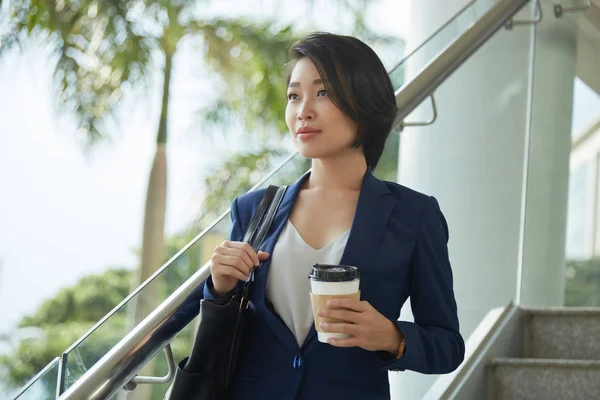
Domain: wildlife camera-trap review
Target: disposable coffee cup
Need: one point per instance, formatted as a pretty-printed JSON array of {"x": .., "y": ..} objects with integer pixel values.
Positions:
[{"x": 332, "y": 282}]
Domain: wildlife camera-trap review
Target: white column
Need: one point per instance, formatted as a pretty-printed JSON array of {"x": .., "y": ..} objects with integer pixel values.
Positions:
[{"x": 472, "y": 161}]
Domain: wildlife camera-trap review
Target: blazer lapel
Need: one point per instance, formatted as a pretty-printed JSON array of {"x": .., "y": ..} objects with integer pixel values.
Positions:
[
  {"x": 281, "y": 218},
  {"x": 372, "y": 213}
]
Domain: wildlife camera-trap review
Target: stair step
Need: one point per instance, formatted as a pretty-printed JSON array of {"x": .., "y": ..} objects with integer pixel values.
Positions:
[
  {"x": 544, "y": 379},
  {"x": 564, "y": 333}
]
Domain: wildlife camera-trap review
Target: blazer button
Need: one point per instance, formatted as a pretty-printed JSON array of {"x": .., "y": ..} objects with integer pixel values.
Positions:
[{"x": 297, "y": 362}]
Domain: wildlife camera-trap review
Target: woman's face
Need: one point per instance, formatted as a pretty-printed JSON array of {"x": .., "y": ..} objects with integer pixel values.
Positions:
[{"x": 318, "y": 127}]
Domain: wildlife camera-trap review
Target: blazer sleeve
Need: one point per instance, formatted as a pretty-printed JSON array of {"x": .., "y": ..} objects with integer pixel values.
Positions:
[
  {"x": 237, "y": 233},
  {"x": 434, "y": 344}
]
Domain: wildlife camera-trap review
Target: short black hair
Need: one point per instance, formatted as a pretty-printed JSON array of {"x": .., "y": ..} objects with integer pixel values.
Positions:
[{"x": 357, "y": 84}]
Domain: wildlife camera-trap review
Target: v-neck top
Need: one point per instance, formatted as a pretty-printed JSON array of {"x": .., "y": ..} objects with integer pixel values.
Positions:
[{"x": 288, "y": 287}]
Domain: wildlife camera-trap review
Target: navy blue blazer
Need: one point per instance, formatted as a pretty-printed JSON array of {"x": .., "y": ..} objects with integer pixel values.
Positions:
[{"x": 398, "y": 240}]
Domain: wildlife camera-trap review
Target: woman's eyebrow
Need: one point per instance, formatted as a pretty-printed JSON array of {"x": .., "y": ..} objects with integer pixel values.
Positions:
[{"x": 315, "y": 82}]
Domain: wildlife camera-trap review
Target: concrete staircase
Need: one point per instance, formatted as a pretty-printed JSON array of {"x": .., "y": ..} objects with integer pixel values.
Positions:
[{"x": 561, "y": 360}]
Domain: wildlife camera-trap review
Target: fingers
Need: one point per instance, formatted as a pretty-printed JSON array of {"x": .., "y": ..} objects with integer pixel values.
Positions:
[
  {"x": 349, "y": 304},
  {"x": 245, "y": 247},
  {"x": 232, "y": 261},
  {"x": 226, "y": 270},
  {"x": 351, "y": 342},
  {"x": 341, "y": 315},
  {"x": 349, "y": 329},
  {"x": 233, "y": 252},
  {"x": 262, "y": 255},
  {"x": 235, "y": 256}
]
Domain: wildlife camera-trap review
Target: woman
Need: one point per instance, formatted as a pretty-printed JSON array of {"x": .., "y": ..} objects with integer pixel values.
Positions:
[{"x": 340, "y": 110}]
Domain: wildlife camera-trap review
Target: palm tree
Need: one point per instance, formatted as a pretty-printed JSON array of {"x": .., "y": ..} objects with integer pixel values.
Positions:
[{"x": 107, "y": 49}]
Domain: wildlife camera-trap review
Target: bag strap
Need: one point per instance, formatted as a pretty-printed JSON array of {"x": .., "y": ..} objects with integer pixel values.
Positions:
[
  {"x": 259, "y": 227},
  {"x": 267, "y": 220},
  {"x": 259, "y": 215}
]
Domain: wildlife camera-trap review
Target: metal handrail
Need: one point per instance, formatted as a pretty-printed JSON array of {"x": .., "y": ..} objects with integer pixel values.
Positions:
[
  {"x": 409, "y": 96},
  {"x": 125, "y": 359}
]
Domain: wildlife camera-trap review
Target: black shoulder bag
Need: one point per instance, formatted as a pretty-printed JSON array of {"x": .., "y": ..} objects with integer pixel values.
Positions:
[{"x": 208, "y": 372}]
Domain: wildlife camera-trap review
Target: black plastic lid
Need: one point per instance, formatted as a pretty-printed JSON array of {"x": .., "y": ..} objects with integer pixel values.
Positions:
[{"x": 334, "y": 273}]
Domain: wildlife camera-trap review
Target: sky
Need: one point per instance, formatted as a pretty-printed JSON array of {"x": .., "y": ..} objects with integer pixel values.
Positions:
[{"x": 65, "y": 213}]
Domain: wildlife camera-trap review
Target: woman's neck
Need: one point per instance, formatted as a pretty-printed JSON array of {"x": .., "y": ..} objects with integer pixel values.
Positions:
[{"x": 344, "y": 172}]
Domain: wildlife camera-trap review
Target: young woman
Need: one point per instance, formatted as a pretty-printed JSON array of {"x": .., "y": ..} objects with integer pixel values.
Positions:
[{"x": 340, "y": 110}]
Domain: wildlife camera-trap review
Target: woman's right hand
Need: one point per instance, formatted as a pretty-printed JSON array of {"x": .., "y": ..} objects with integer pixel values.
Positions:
[{"x": 233, "y": 262}]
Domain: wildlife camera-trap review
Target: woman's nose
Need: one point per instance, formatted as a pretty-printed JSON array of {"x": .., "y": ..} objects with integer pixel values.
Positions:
[{"x": 306, "y": 112}]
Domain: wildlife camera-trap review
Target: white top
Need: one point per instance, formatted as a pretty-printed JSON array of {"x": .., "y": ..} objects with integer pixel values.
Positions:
[{"x": 288, "y": 286}]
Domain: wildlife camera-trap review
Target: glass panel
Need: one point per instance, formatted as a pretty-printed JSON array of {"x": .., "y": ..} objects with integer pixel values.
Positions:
[
  {"x": 437, "y": 42},
  {"x": 43, "y": 386},
  {"x": 561, "y": 199},
  {"x": 85, "y": 353},
  {"x": 582, "y": 244},
  {"x": 472, "y": 160}
]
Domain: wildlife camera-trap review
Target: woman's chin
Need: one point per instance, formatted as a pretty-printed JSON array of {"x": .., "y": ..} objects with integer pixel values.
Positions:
[{"x": 309, "y": 153}]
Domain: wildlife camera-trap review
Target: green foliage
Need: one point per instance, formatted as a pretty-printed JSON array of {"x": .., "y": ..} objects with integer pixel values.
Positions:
[
  {"x": 582, "y": 288},
  {"x": 88, "y": 300},
  {"x": 100, "y": 50},
  {"x": 235, "y": 176},
  {"x": 64, "y": 318},
  {"x": 250, "y": 59},
  {"x": 106, "y": 48}
]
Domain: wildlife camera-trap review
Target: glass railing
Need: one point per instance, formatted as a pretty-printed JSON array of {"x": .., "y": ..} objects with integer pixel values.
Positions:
[
  {"x": 437, "y": 42},
  {"x": 44, "y": 385},
  {"x": 497, "y": 159},
  {"x": 576, "y": 105},
  {"x": 86, "y": 352}
]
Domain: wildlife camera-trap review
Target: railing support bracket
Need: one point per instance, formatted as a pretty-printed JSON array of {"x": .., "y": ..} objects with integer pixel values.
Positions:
[
  {"x": 512, "y": 23},
  {"x": 559, "y": 10},
  {"x": 155, "y": 379},
  {"x": 426, "y": 123}
]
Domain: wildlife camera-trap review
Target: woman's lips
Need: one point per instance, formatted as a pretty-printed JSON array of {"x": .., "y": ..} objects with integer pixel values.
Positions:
[
  {"x": 305, "y": 133},
  {"x": 306, "y": 136}
]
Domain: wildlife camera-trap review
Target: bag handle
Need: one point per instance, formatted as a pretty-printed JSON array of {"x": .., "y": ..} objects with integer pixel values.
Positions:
[
  {"x": 267, "y": 220},
  {"x": 258, "y": 216},
  {"x": 257, "y": 230}
]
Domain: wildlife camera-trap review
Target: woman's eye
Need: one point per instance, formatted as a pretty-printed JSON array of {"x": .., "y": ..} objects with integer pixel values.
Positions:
[
  {"x": 292, "y": 96},
  {"x": 322, "y": 92}
]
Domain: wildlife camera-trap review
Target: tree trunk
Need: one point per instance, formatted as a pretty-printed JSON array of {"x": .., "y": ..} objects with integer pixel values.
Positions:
[{"x": 153, "y": 240}]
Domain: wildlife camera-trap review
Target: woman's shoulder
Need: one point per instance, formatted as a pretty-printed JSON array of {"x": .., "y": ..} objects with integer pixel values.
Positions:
[
  {"x": 407, "y": 195},
  {"x": 415, "y": 206},
  {"x": 250, "y": 198},
  {"x": 247, "y": 202}
]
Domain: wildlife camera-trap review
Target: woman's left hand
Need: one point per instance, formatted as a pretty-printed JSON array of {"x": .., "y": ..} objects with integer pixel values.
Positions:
[{"x": 368, "y": 328}]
